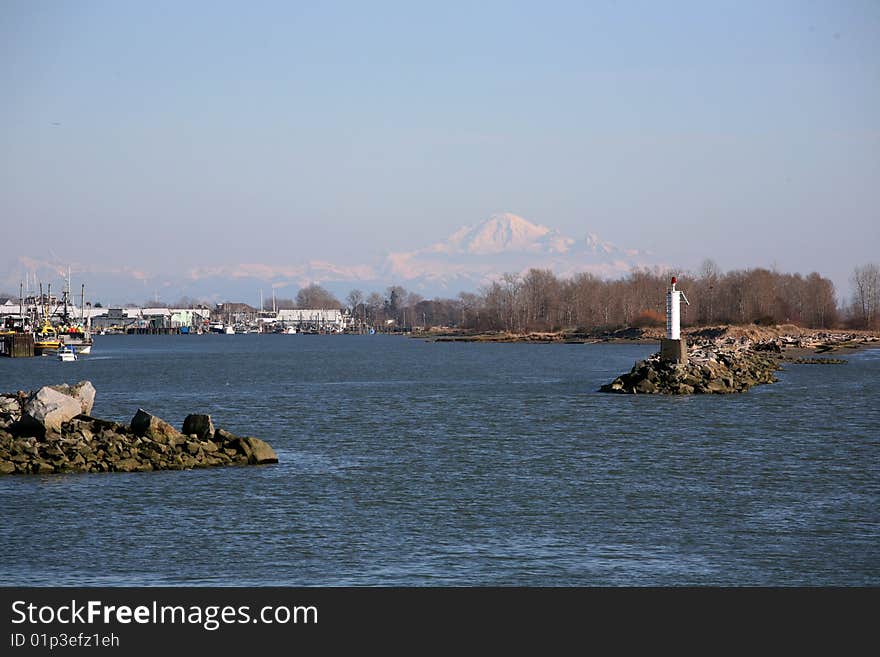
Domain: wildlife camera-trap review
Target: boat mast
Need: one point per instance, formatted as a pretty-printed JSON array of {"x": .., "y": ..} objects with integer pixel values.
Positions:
[{"x": 65, "y": 294}]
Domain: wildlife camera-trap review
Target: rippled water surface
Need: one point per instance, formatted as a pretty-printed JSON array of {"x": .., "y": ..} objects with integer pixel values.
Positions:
[{"x": 405, "y": 462}]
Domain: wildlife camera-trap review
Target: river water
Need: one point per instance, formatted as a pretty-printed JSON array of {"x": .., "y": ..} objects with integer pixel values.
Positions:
[{"x": 411, "y": 463}]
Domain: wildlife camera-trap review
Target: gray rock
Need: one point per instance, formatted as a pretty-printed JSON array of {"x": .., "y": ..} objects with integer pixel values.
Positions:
[
  {"x": 49, "y": 409},
  {"x": 83, "y": 392},
  {"x": 200, "y": 425}
]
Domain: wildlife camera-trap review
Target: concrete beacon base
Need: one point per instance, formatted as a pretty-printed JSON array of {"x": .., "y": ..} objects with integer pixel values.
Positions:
[{"x": 674, "y": 351}]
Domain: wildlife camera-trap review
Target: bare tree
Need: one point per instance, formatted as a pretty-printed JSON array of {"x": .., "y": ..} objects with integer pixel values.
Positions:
[
  {"x": 315, "y": 296},
  {"x": 189, "y": 302},
  {"x": 375, "y": 309},
  {"x": 866, "y": 299},
  {"x": 821, "y": 302},
  {"x": 469, "y": 306},
  {"x": 708, "y": 277},
  {"x": 354, "y": 299}
]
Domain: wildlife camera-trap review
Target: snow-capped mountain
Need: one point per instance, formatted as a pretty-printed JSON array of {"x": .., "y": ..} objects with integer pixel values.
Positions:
[
  {"x": 503, "y": 233},
  {"x": 476, "y": 254}
]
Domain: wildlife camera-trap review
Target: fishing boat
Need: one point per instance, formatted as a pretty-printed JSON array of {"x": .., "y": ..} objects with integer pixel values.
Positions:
[
  {"x": 46, "y": 339},
  {"x": 77, "y": 336},
  {"x": 67, "y": 353}
]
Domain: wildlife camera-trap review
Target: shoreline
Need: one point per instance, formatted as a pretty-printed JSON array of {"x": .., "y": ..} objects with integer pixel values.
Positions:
[{"x": 792, "y": 340}]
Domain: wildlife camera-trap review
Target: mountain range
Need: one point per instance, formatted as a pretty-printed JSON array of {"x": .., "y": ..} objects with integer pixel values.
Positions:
[{"x": 469, "y": 258}]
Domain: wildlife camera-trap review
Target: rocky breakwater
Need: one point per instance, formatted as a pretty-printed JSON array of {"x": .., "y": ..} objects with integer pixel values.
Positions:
[
  {"x": 710, "y": 370},
  {"x": 50, "y": 430}
]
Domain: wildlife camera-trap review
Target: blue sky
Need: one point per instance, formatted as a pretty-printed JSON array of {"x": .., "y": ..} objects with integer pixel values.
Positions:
[{"x": 162, "y": 133}]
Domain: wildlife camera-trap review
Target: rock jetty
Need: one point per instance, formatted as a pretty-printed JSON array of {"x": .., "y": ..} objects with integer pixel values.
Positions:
[
  {"x": 707, "y": 372},
  {"x": 728, "y": 359},
  {"x": 50, "y": 430}
]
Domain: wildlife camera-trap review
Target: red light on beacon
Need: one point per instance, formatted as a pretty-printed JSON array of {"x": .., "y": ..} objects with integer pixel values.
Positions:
[{"x": 674, "y": 280}]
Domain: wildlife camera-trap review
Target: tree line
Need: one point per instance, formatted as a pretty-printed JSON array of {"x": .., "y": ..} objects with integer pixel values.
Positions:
[{"x": 539, "y": 300}]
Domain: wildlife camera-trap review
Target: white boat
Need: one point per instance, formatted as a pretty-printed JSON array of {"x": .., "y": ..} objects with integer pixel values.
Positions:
[
  {"x": 221, "y": 328},
  {"x": 66, "y": 354}
]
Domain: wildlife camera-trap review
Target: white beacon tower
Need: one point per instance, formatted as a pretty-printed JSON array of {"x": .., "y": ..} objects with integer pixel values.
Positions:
[
  {"x": 673, "y": 311},
  {"x": 674, "y": 347}
]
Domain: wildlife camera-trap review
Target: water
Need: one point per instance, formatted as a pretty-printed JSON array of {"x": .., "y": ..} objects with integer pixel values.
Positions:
[{"x": 409, "y": 463}]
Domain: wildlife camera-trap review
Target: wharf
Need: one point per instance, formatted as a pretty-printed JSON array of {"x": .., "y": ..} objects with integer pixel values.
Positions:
[{"x": 17, "y": 345}]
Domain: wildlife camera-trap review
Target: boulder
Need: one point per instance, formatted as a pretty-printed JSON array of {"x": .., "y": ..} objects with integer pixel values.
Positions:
[
  {"x": 10, "y": 406},
  {"x": 97, "y": 425},
  {"x": 42, "y": 467},
  {"x": 155, "y": 428},
  {"x": 260, "y": 452},
  {"x": 646, "y": 386},
  {"x": 614, "y": 386},
  {"x": 717, "y": 386},
  {"x": 242, "y": 446},
  {"x": 223, "y": 436},
  {"x": 129, "y": 465},
  {"x": 48, "y": 409},
  {"x": 200, "y": 425},
  {"x": 83, "y": 392}
]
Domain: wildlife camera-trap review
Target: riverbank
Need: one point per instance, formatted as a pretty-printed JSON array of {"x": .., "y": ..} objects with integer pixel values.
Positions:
[{"x": 50, "y": 430}]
